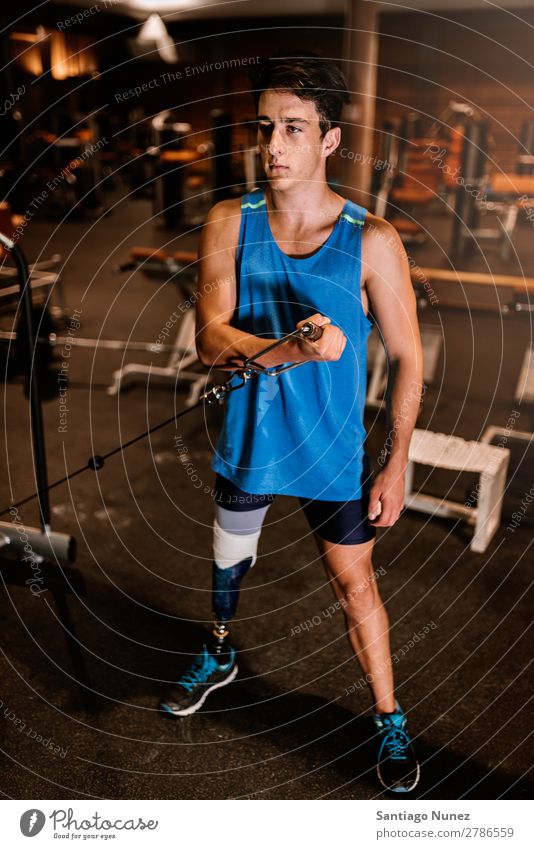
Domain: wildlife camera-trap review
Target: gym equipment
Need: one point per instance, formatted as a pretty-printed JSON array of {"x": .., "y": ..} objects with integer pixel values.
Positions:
[
  {"x": 43, "y": 543},
  {"x": 478, "y": 193},
  {"x": 186, "y": 180},
  {"x": 432, "y": 341},
  {"x": 183, "y": 353},
  {"x": 42, "y": 355},
  {"x": 251, "y": 166},
  {"x": 45, "y": 278},
  {"x": 448, "y": 151},
  {"x": 47, "y": 545},
  {"x": 510, "y": 294},
  {"x": 215, "y": 395},
  {"x": 525, "y": 384},
  {"x": 46, "y": 343},
  {"x": 133, "y": 146},
  {"x": 455, "y": 113},
  {"x": 410, "y": 181},
  {"x": 505, "y": 195},
  {"x": 524, "y": 393},
  {"x": 66, "y": 159},
  {"x": 222, "y": 159},
  {"x": 465, "y": 219},
  {"x": 182, "y": 350},
  {"x": 389, "y": 154},
  {"x": 171, "y": 164},
  {"x": 525, "y": 157},
  {"x": 410, "y": 127},
  {"x": 519, "y": 498},
  {"x": 443, "y": 451},
  {"x": 156, "y": 263}
]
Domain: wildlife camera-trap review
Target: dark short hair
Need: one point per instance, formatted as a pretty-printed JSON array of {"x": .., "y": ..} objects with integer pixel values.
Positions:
[{"x": 310, "y": 77}]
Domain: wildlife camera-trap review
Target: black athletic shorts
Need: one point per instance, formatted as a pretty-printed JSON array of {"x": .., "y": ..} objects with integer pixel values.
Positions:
[{"x": 341, "y": 522}]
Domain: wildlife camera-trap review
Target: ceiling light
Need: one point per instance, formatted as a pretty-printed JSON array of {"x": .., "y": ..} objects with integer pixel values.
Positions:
[
  {"x": 152, "y": 30},
  {"x": 163, "y": 5},
  {"x": 155, "y": 32}
]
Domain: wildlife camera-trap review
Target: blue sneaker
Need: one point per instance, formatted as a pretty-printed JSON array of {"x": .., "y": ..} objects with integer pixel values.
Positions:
[
  {"x": 204, "y": 675},
  {"x": 397, "y": 766}
]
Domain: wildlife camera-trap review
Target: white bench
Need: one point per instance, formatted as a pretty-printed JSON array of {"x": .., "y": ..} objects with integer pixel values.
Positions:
[
  {"x": 451, "y": 452},
  {"x": 524, "y": 393}
]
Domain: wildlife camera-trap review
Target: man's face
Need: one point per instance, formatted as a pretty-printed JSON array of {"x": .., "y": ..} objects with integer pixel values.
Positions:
[{"x": 289, "y": 137}]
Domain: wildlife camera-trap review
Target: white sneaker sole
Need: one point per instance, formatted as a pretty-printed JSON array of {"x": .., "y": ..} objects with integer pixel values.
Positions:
[
  {"x": 193, "y": 709},
  {"x": 399, "y": 790}
]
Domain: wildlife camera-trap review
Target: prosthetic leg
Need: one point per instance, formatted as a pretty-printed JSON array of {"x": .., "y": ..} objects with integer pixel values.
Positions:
[
  {"x": 234, "y": 553},
  {"x": 236, "y": 535},
  {"x": 226, "y": 587}
]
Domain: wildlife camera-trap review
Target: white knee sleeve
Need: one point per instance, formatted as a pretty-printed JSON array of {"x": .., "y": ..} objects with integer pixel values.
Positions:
[{"x": 230, "y": 549}]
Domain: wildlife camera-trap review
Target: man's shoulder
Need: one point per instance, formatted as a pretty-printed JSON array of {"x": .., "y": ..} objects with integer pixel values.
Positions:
[
  {"x": 225, "y": 210},
  {"x": 383, "y": 253},
  {"x": 377, "y": 229},
  {"x": 222, "y": 223},
  {"x": 379, "y": 238}
]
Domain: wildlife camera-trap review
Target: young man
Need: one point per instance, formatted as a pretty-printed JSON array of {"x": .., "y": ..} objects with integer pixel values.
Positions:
[{"x": 270, "y": 261}]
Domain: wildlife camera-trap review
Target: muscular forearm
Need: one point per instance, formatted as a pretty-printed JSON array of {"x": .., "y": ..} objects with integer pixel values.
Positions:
[
  {"x": 226, "y": 347},
  {"x": 403, "y": 408}
]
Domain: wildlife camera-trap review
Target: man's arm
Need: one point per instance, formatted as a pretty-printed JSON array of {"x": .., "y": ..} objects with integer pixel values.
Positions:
[
  {"x": 392, "y": 301},
  {"x": 218, "y": 343}
]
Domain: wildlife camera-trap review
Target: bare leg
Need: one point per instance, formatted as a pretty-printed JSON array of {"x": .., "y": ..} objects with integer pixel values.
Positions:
[{"x": 350, "y": 570}]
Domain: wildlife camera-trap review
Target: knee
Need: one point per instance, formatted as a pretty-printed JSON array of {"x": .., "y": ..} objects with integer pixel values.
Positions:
[{"x": 358, "y": 600}]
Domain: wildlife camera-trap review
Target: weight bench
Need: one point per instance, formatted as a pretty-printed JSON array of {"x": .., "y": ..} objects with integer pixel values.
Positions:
[
  {"x": 443, "y": 451},
  {"x": 524, "y": 392},
  {"x": 505, "y": 196},
  {"x": 513, "y": 293},
  {"x": 45, "y": 279},
  {"x": 159, "y": 263}
]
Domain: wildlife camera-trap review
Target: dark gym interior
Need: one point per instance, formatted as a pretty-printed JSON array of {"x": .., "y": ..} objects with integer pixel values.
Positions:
[{"x": 119, "y": 132}]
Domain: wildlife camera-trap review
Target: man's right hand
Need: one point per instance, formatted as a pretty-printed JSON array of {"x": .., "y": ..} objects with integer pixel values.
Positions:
[{"x": 329, "y": 347}]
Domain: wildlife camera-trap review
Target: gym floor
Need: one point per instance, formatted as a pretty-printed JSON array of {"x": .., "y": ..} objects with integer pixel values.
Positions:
[{"x": 84, "y": 661}]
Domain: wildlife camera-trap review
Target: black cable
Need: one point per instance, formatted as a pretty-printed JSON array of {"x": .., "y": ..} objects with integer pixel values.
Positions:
[
  {"x": 215, "y": 395},
  {"x": 97, "y": 460}
]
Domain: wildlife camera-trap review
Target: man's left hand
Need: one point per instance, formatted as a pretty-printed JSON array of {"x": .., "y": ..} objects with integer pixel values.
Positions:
[{"x": 386, "y": 499}]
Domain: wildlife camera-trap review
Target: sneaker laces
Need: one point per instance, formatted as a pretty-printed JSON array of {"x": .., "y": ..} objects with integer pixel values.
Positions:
[
  {"x": 199, "y": 671},
  {"x": 396, "y": 741}
]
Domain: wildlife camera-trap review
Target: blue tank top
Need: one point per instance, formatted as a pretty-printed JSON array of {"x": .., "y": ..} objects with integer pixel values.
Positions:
[{"x": 301, "y": 433}]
